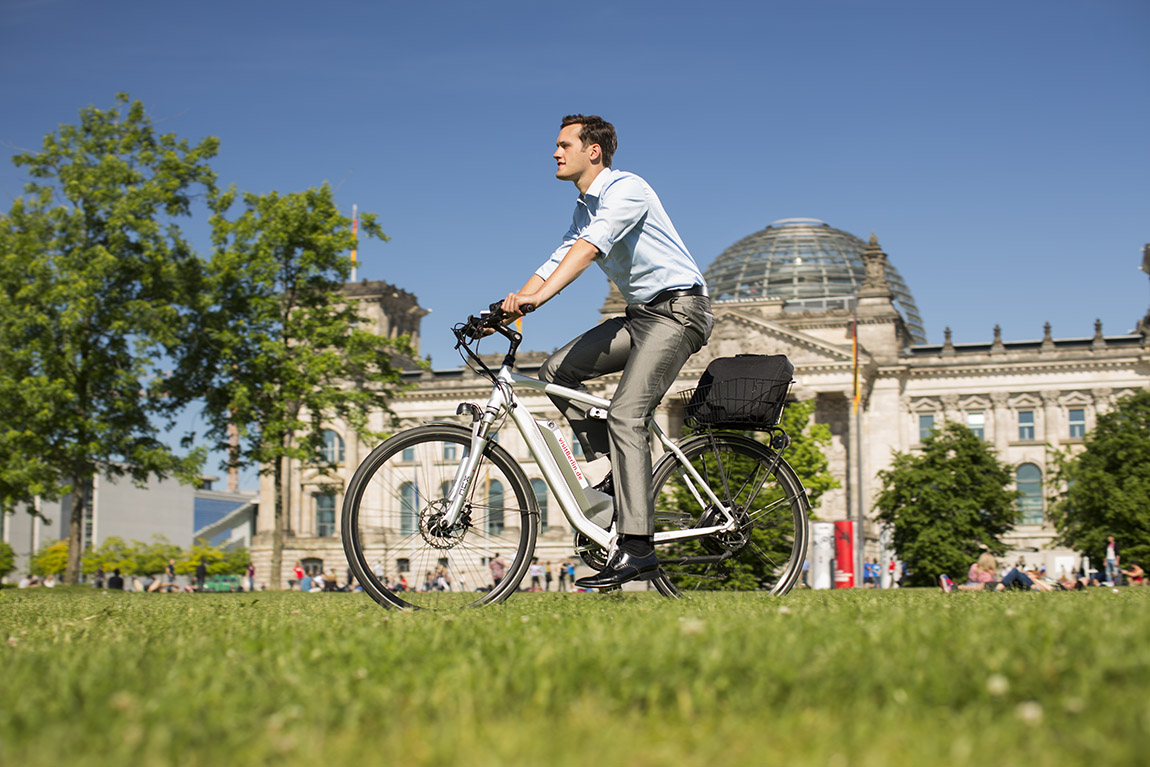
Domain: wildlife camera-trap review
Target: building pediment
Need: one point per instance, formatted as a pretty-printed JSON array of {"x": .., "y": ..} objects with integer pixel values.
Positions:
[{"x": 739, "y": 332}]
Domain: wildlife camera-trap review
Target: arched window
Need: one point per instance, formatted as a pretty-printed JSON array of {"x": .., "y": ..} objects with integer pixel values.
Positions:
[
  {"x": 1028, "y": 479},
  {"x": 540, "y": 488},
  {"x": 324, "y": 515},
  {"x": 495, "y": 507},
  {"x": 408, "y": 502},
  {"x": 332, "y": 451}
]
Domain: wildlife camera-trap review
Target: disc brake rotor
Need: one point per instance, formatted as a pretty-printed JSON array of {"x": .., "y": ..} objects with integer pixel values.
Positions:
[
  {"x": 431, "y": 526},
  {"x": 732, "y": 540}
]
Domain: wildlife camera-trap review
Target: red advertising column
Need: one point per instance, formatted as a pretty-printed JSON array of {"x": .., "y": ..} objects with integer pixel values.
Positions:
[{"x": 844, "y": 554}]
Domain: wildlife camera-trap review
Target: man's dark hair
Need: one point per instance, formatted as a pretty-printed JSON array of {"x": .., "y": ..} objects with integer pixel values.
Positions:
[{"x": 596, "y": 130}]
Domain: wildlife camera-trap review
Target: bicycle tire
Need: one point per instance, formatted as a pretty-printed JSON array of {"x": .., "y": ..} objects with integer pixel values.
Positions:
[
  {"x": 765, "y": 553},
  {"x": 397, "y": 491}
]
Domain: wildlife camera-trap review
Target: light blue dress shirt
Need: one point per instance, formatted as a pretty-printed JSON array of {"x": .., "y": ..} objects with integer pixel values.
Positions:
[{"x": 639, "y": 249}]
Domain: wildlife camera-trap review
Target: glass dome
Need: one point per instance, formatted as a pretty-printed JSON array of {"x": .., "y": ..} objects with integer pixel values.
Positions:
[{"x": 803, "y": 261}]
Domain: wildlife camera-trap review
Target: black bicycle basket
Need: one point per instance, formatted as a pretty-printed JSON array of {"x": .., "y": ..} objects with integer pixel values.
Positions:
[{"x": 748, "y": 391}]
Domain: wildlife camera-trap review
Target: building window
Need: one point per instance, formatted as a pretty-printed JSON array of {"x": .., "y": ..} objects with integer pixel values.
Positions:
[
  {"x": 925, "y": 427},
  {"x": 409, "y": 454},
  {"x": 1028, "y": 479},
  {"x": 977, "y": 424},
  {"x": 325, "y": 515},
  {"x": 576, "y": 447},
  {"x": 403, "y": 565},
  {"x": 312, "y": 565},
  {"x": 449, "y": 451},
  {"x": 1026, "y": 425},
  {"x": 408, "y": 502},
  {"x": 332, "y": 451},
  {"x": 495, "y": 507},
  {"x": 1077, "y": 423},
  {"x": 540, "y": 488}
]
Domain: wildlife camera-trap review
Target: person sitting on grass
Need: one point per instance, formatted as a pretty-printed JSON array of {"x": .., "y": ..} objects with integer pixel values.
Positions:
[
  {"x": 981, "y": 577},
  {"x": 1135, "y": 576}
]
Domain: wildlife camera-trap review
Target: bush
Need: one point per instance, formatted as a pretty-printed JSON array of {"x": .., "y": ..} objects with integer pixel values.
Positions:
[
  {"x": 7, "y": 559},
  {"x": 50, "y": 560}
]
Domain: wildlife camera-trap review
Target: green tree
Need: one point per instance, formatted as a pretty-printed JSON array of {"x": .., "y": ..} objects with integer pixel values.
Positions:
[
  {"x": 280, "y": 350},
  {"x": 93, "y": 272},
  {"x": 7, "y": 559},
  {"x": 114, "y": 553},
  {"x": 152, "y": 557},
  {"x": 1105, "y": 489},
  {"x": 947, "y": 504},
  {"x": 218, "y": 560},
  {"x": 50, "y": 560},
  {"x": 807, "y": 452}
]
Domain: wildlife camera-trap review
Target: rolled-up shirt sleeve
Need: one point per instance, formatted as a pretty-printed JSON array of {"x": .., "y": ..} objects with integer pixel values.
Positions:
[{"x": 622, "y": 206}]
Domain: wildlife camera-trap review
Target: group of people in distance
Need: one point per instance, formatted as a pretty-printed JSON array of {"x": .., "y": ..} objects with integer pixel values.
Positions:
[
  {"x": 166, "y": 583},
  {"x": 985, "y": 575},
  {"x": 314, "y": 582}
]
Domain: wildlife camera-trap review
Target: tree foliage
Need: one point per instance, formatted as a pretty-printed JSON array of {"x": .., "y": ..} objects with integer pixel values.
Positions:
[
  {"x": 280, "y": 351},
  {"x": 52, "y": 559},
  {"x": 93, "y": 272},
  {"x": 807, "y": 452},
  {"x": 1105, "y": 489},
  {"x": 151, "y": 558},
  {"x": 7, "y": 559},
  {"x": 947, "y": 504}
]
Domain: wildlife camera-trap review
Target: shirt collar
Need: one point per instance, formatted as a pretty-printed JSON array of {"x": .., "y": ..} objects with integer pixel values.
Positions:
[{"x": 598, "y": 184}]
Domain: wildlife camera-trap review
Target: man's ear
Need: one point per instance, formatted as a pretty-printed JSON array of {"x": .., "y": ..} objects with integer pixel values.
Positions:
[{"x": 595, "y": 154}]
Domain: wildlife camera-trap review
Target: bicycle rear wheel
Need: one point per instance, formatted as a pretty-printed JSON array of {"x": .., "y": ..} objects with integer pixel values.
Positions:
[
  {"x": 765, "y": 552},
  {"x": 390, "y": 515}
]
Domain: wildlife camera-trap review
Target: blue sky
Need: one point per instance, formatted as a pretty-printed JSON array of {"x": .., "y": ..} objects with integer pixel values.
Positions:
[{"x": 998, "y": 149}]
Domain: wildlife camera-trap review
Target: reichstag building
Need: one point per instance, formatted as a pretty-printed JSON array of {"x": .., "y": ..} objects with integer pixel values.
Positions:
[{"x": 795, "y": 288}]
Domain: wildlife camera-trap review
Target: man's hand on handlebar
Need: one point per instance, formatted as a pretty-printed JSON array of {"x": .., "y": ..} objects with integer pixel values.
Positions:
[
  {"x": 518, "y": 304},
  {"x": 495, "y": 319}
]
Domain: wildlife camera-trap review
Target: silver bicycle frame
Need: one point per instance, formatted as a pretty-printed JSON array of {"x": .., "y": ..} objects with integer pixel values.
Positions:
[{"x": 572, "y": 500}]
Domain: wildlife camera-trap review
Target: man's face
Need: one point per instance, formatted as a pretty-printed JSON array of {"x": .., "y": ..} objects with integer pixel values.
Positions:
[{"x": 572, "y": 158}]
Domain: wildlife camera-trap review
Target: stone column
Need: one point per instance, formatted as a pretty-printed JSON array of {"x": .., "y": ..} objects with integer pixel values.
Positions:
[
  {"x": 950, "y": 408},
  {"x": 1002, "y": 420},
  {"x": 1052, "y": 420}
]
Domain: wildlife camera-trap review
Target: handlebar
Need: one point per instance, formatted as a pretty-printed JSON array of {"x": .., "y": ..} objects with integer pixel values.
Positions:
[{"x": 494, "y": 320}]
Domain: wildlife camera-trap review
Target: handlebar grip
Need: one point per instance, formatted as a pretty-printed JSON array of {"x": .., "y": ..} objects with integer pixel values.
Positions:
[{"x": 527, "y": 308}]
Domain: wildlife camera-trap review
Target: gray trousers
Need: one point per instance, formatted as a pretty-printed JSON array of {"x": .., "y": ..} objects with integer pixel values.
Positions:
[{"x": 649, "y": 344}]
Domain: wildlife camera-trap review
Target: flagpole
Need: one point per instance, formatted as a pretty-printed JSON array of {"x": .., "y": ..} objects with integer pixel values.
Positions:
[
  {"x": 857, "y": 450},
  {"x": 355, "y": 234}
]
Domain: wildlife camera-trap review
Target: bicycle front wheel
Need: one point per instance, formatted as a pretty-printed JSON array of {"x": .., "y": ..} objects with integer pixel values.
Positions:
[
  {"x": 764, "y": 552},
  {"x": 395, "y": 545}
]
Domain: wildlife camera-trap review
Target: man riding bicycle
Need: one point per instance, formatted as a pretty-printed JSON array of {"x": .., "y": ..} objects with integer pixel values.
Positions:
[{"x": 619, "y": 223}]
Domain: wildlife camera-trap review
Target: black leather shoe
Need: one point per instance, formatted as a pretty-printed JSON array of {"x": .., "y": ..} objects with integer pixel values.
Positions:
[
  {"x": 621, "y": 568},
  {"x": 607, "y": 486}
]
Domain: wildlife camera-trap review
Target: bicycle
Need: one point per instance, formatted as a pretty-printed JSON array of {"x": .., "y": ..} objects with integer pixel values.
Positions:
[{"x": 730, "y": 512}]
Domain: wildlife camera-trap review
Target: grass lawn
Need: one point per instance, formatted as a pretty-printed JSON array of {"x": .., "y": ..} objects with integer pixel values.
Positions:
[{"x": 909, "y": 677}]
